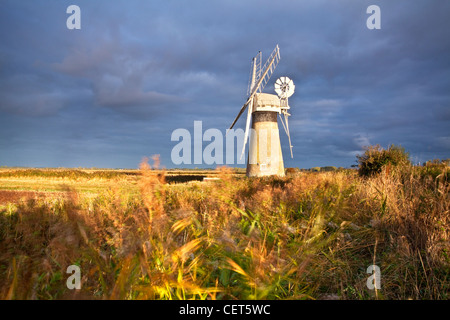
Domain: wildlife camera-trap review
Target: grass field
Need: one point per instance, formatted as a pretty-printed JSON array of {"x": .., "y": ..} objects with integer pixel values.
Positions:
[{"x": 165, "y": 234}]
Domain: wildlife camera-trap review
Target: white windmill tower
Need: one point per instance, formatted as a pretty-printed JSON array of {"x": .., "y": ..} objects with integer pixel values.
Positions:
[{"x": 264, "y": 155}]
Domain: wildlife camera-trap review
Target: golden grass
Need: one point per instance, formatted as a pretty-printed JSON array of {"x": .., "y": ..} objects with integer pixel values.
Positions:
[{"x": 307, "y": 236}]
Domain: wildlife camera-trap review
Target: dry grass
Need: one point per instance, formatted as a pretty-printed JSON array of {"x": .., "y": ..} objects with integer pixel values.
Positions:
[{"x": 307, "y": 236}]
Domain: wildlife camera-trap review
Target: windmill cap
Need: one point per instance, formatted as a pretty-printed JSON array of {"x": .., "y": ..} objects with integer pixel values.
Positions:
[{"x": 267, "y": 99}]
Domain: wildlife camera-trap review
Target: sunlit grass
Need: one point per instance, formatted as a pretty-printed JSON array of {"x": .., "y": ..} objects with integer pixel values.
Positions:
[{"x": 306, "y": 236}]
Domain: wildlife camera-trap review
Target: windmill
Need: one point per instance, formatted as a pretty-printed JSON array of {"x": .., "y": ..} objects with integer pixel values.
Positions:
[{"x": 264, "y": 155}]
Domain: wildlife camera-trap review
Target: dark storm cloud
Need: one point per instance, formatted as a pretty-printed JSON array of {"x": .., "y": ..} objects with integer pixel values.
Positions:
[{"x": 112, "y": 92}]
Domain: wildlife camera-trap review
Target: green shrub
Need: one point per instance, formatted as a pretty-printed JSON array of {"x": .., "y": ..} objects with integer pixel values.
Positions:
[
  {"x": 435, "y": 168},
  {"x": 328, "y": 168},
  {"x": 375, "y": 158},
  {"x": 291, "y": 171}
]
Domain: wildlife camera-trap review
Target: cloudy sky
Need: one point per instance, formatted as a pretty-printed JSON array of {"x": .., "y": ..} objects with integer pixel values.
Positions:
[{"x": 114, "y": 91}]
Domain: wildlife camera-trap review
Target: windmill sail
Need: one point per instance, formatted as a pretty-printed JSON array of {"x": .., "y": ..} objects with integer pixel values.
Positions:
[
  {"x": 255, "y": 72},
  {"x": 240, "y": 112},
  {"x": 269, "y": 67},
  {"x": 247, "y": 126},
  {"x": 259, "y": 84}
]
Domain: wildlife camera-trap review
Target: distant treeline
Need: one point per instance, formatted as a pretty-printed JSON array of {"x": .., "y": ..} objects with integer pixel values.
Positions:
[
  {"x": 66, "y": 173},
  {"x": 315, "y": 169}
]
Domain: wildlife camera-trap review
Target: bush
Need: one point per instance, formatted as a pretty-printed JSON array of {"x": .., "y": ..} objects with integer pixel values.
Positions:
[
  {"x": 328, "y": 168},
  {"x": 375, "y": 158},
  {"x": 291, "y": 171},
  {"x": 435, "y": 168}
]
